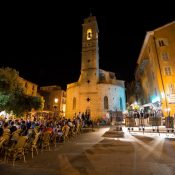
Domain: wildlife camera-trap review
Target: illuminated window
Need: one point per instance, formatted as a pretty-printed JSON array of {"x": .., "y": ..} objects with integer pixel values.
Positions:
[
  {"x": 171, "y": 88},
  {"x": 74, "y": 103},
  {"x": 89, "y": 34},
  {"x": 165, "y": 56},
  {"x": 167, "y": 71},
  {"x": 106, "y": 102}
]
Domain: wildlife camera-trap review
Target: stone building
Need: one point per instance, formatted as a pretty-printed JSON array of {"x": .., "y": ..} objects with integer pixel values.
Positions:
[
  {"x": 97, "y": 91},
  {"x": 156, "y": 68},
  {"x": 29, "y": 87},
  {"x": 55, "y": 99}
]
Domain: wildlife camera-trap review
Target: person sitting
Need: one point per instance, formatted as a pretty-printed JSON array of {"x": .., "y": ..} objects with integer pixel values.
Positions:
[
  {"x": 1, "y": 134},
  {"x": 13, "y": 128},
  {"x": 6, "y": 128}
]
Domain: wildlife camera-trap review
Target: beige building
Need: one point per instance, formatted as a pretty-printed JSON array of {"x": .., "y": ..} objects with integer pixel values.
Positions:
[
  {"x": 55, "y": 99},
  {"x": 156, "y": 68},
  {"x": 29, "y": 87},
  {"x": 97, "y": 91}
]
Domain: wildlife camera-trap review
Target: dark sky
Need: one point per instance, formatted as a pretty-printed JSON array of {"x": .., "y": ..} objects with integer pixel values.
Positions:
[{"x": 122, "y": 30}]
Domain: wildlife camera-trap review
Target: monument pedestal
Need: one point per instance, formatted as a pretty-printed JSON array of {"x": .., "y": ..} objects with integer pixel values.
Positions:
[
  {"x": 116, "y": 125},
  {"x": 114, "y": 132}
]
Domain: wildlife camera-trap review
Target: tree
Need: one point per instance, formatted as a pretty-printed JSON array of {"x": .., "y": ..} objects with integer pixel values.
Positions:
[
  {"x": 9, "y": 81},
  {"x": 25, "y": 103},
  {"x": 12, "y": 96}
]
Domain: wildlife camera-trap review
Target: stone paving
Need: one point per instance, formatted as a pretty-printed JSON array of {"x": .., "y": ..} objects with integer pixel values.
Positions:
[{"x": 92, "y": 154}]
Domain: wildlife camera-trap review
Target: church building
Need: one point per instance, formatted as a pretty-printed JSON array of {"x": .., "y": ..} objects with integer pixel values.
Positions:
[{"x": 97, "y": 91}]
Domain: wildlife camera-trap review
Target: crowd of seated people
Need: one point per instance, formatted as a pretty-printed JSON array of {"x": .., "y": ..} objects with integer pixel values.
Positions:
[{"x": 11, "y": 131}]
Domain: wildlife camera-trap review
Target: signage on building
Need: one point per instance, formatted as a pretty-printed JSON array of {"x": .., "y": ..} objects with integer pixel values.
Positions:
[{"x": 171, "y": 99}]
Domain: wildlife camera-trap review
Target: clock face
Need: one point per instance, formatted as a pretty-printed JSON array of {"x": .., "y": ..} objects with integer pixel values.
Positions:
[{"x": 89, "y": 34}]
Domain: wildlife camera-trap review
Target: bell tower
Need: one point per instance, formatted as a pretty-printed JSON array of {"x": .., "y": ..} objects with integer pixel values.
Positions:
[{"x": 90, "y": 54}]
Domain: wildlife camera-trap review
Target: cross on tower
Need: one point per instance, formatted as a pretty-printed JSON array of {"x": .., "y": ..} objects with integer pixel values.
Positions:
[
  {"x": 88, "y": 99},
  {"x": 88, "y": 81},
  {"x": 90, "y": 11}
]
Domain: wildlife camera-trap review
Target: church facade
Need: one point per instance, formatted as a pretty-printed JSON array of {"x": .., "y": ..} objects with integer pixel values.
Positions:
[{"x": 97, "y": 91}]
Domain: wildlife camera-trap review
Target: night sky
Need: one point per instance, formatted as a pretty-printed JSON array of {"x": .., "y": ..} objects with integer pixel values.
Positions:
[{"x": 57, "y": 32}]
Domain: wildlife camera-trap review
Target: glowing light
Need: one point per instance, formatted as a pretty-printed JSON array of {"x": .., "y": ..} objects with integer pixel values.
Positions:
[
  {"x": 56, "y": 100},
  {"x": 156, "y": 99},
  {"x": 168, "y": 109},
  {"x": 89, "y": 34},
  {"x": 163, "y": 94}
]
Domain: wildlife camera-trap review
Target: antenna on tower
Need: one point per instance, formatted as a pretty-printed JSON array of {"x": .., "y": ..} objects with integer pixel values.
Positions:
[{"x": 90, "y": 11}]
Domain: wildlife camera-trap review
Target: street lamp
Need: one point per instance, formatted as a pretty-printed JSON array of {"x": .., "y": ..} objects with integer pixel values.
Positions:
[{"x": 56, "y": 100}]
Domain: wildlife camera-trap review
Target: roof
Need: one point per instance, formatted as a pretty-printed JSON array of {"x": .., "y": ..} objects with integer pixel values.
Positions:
[{"x": 164, "y": 26}]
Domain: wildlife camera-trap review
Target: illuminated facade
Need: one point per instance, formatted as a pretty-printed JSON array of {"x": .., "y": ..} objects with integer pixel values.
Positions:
[
  {"x": 156, "y": 68},
  {"x": 55, "y": 99},
  {"x": 97, "y": 91},
  {"x": 29, "y": 87}
]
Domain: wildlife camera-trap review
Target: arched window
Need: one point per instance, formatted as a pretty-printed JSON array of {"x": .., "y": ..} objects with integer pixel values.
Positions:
[
  {"x": 106, "y": 106},
  {"x": 121, "y": 104},
  {"x": 74, "y": 103}
]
